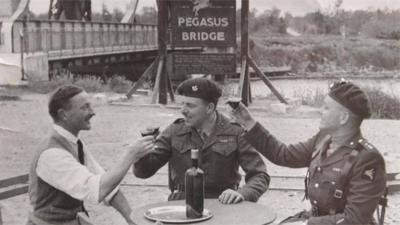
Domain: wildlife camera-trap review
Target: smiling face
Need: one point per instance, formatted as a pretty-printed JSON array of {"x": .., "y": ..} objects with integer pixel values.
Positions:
[
  {"x": 195, "y": 111},
  {"x": 77, "y": 113},
  {"x": 333, "y": 115}
]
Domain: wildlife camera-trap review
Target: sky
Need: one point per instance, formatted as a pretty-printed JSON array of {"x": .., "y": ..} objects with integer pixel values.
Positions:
[{"x": 296, "y": 7}]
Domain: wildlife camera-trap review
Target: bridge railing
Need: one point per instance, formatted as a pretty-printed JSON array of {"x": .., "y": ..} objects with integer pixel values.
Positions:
[{"x": 81, "y": 37}]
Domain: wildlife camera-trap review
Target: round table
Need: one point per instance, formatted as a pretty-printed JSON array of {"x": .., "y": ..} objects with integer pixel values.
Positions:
[{"x": 248, "y": 213}]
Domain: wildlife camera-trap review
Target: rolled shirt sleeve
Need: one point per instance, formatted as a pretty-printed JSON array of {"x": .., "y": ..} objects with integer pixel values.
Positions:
[
  {"x": 95, "y": 167},
  {"x": 61, "y": 170}
]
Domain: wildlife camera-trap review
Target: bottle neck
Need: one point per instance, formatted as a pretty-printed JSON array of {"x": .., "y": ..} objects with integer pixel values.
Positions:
[{"x": 195, "y": 163}]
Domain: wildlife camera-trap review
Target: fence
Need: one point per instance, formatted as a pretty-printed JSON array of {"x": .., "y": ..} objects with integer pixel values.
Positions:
[{"x": 75, "y": 36}]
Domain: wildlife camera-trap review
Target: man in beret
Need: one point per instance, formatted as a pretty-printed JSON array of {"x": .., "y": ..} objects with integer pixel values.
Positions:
[
  {"x": 221, "y": 146},
  {"x": 346, "y": 174}
]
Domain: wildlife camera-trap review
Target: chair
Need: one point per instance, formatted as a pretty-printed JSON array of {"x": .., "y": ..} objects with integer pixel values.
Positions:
[{"x": 381, "y": 209}]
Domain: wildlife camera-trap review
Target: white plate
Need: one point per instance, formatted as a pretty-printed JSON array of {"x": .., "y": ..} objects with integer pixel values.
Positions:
[{"x": 174, "y": 214}]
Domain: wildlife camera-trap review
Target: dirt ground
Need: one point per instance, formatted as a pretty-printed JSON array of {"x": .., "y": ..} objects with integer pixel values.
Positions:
[{"x": 23, "y": 123}]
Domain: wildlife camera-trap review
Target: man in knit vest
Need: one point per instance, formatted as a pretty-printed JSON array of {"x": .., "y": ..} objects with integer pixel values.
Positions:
[{"x": 64, "y": 174}]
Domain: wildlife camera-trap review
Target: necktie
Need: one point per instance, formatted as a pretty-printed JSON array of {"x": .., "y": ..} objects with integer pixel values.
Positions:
[{"x": 81, "y": 158}]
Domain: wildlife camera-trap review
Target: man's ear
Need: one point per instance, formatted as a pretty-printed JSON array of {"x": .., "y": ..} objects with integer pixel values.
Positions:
[
  {"x": 344, "y": 118},
  {"x": 210, "y": 107},
  {"x": 61, "y": 114}
]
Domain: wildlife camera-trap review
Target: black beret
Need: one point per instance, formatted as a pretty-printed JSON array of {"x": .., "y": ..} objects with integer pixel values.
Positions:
[
  {"x": 352, "y": 97},
  {"x": 203, "y": 88}
]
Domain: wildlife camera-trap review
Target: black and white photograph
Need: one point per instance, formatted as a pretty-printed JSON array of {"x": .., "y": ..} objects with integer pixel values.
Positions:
[{"x": 208, "y": 112}]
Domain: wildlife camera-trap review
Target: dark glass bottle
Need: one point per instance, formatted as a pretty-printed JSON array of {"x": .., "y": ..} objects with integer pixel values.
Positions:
[{"x": 194, "y": 188}]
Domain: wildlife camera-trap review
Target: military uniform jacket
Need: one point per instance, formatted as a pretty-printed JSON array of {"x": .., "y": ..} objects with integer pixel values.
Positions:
[
  {"x": 221, "y": 154},
  {"x": 353, "y": 202}
]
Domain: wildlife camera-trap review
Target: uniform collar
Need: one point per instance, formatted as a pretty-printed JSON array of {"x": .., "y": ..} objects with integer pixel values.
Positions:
[
  {"x": 219, "y": 126},
  {"x": 65, "y": 134},
  {"x": 342, "y": 151},
  {"x": 354, "y": 142}
]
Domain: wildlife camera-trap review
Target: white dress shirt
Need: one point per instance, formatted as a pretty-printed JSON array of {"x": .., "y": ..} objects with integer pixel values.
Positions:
[{"x": 61, "y": 170}]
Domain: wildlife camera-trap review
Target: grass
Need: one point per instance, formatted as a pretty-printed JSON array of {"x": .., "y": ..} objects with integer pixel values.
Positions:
[
  {"x": 8, "y": 93},
  {"x": 321, "y": 53},
  {"x": 383, "y": 105},
  {"x": 314, "y": 98},
  {"x": 92, "y": 84}
]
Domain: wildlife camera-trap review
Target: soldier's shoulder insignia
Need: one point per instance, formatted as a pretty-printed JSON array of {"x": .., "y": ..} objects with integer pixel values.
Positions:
[
  {"x": 369, "y": 174},
  {"x": 366, "y": 145},
  {"x": 179, "y": 120}
]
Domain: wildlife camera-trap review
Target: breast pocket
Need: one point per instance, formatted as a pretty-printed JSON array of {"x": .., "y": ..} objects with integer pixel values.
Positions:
[
  {"x": 182, "y": 145},
  {"x": 225, "y": 148}
]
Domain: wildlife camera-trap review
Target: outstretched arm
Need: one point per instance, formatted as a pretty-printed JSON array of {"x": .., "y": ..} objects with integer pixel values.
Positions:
[
  {"x": 120, "y": 203},
  {"x": 297, "y": 155},
  {"x": 151, "y": 163}
]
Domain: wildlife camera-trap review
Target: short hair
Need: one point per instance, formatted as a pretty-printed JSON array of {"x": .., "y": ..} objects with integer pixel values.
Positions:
[{"x": 59, "y": 99}]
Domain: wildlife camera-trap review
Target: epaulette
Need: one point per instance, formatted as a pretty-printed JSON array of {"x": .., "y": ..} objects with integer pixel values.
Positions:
[
  {"x": 179, "y": 120},
  {"x": 235, "y": 123},
  {"x": 366, "y": 145}
]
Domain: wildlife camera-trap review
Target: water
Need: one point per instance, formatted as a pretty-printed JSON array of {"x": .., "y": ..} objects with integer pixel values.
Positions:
[{"x": 294, "y": 88}]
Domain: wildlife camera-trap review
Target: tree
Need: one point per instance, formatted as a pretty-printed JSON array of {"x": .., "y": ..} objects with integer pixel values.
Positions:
[
  {"x": 107, "y": 17},
  {"x": 148, "y": 15},
  {"x": 117, "y": 15}
]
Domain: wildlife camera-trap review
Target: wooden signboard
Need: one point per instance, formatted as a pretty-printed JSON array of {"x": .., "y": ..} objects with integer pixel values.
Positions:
[
  {"x": 197, "y": 23},
  {"x": 206, "y": 63}
]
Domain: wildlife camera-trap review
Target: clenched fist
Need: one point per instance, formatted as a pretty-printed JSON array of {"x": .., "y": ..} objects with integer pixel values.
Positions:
[
  {"x": 242, "y": 116},
  {"x": 230, "y": 196},
  {"x": 141, "y": 147}
]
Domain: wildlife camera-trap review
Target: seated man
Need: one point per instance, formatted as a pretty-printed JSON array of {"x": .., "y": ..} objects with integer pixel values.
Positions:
[
  {"x": 221, "y": 145},
  {"x": 63, "y": 174},
  {"x": 346, "y": 175}
]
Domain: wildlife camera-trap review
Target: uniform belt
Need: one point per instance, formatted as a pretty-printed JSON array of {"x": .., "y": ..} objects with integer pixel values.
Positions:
[{"x": 315, "y": 211}]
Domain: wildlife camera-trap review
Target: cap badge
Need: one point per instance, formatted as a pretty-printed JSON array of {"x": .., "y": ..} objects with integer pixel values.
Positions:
[{"x": 195, "y": 88}]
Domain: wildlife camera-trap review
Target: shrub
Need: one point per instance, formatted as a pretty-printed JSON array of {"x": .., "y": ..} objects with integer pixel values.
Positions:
[
  {"x": 317, "y": 53},
  {"x": 314, "y": 98},
  {"x": 91, "y": 84},
  {"x": 383, "y": 105},
  {"x": 119, "y": 84},
  {"x": 44, "y": 87},
  {"x": 116, "y": 84}
]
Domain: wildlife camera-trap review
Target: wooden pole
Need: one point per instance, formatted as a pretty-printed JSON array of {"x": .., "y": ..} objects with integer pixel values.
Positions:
[
  {"x": 244, "y": 75},
  {"x": 163, "y": 96},
  {"x": 266, "y": 80},
  {"x": 243, "y": 86},
  {"x": 22, "y": 46},
  {"x": 157, "y": 83},
  {"x": 141, "y": 80},
  {"x": 160, "y": 88},
  {"x": 50, "y": 13},
  {"x": 169, "y": 85}
]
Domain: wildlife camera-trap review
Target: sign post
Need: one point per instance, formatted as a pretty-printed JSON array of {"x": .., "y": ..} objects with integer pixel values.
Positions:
[
  {"x": 244, "y": 85},
  {"x": 246, "y": 61},
  {"x": 208, "y": 24}
]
